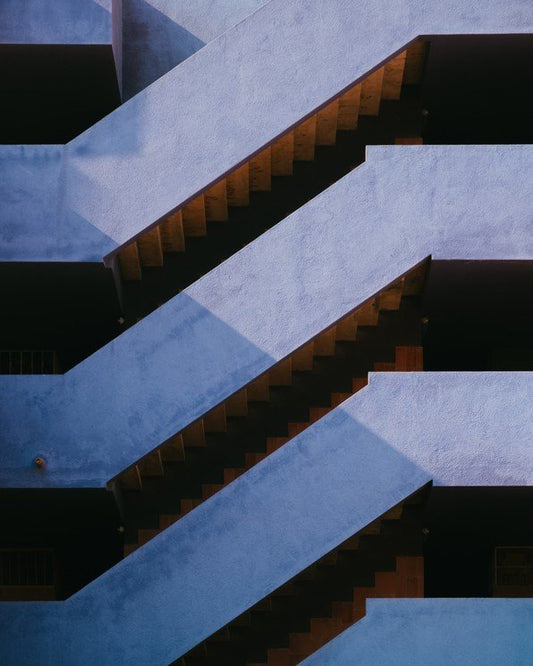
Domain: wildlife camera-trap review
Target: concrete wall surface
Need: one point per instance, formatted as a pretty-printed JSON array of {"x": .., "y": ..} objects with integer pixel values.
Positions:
[
  {"x": 402, "y": 205},
  {"x": 237, "y": 94},
  {"x": 440, "y": 632},
  {"x": 364, "y": 457},
  {"x": 55, "y": 22},
  {"x": 159, "y": 34},
  {"x": 33, "y": 225}
]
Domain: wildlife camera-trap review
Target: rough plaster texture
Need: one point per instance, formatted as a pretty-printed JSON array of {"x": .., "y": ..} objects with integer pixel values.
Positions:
[
  {"x": 402, "y": 205},
  {"x": 231, "y": 98},
  {"x": 159, "y": 34},
  {"x": 284, "y": 514},
  {"x": 440, "y": 632},
  {"x": 55, "y": 22}
]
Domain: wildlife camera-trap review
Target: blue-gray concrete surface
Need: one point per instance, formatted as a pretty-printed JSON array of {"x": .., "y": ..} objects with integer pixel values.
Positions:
[
  {"x": 159, "y": 34},
  {"x": 33, "y": 223},
  {"x": 364, "y": 457},
  {"x": 440, "y": 632},
  {"x": 231, "y": 98},
  {"x": 402, "y": 205},
  {"x": 55, "y": 22}
]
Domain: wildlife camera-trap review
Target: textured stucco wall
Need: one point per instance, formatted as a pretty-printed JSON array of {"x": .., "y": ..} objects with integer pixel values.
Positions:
[
  {"x": 440, "y": 632},
  {"x": 159, "y": 34},
  {"x": 232, "y": 97},
  {"x": 55, "y": 22},
  {"x": 403, "y": 204},
  {"x": 381, "y": 445}
]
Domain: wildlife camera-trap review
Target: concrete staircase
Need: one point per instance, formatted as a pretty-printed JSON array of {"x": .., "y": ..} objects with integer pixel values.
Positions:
[
  {"x": 261, "y": 418},
  {"x": 383, "y": 560},
  {"x": 281, "y": 526}
]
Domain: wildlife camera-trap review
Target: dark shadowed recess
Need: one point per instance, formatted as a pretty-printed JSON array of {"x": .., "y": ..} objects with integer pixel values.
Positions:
[{"x": 52, "y": 93}]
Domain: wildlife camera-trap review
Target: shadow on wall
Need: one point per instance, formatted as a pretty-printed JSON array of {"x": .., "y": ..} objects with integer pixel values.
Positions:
[
  {"x": 220, "y": 559},
  {"x": 137, "y": 391},
  {"x": 153, "y": 44}
]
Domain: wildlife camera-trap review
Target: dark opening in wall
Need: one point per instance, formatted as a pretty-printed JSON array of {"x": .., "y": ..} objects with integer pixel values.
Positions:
[
  {"x": 52, "y": 93},
  {"x": 479, "y": 316},
  {"x": 464, "y": 527},
  {"x": 479, "y": 89}
]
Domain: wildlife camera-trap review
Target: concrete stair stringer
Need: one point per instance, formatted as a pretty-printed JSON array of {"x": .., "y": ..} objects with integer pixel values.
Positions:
[
  {"x": 346, "y": 470},
  {"x": 291, "y": 283}
]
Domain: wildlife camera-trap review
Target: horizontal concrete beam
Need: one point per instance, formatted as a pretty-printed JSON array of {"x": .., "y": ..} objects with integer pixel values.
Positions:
[
  {"x": 234, "y": 96},
  {"x": 440, "y": 632},
  {"x": 364, "y": 457},
  {"x": 55, "y": 22},
  {"x": 402, "y": 205}
]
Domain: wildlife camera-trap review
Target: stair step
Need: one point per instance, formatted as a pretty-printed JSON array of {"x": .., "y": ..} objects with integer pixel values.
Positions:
[
  {"x": 279, "y": 657},
  {"x": 210, "y": 489},
  {"x": 130, "y": 548},
  {"x": 390, "y": 298},
  {"x": 409, "y": 359},
  {"x": 238, "y": 186},
  {"x": 215, "y": 420},
  {"x": 275, "y": 443},
  {"x": 282, "y": 156},
  {"x": 188, "y": 504},
  {"x": 260, "y": 171},
  {"x": 172, "y": 236},
  {"x": 237, "y": 404},
  {"x": 194, "y": 435},
  {"x": 358, "y": 383},
  {"x": 151, "y": 465},
  {"x": 349, "y": 105},
  {"x": 168, "y": 519},
  {"x": 384, "y": 366},
  {"x": 296, "y": 428},
  {"x": 316, "y": 413},
  {"x": 232, "y": 473},
  {"x": 130, "y": 479},
  {"x": 281, "y": 374},
  {"x": 347, "y": 328},
  {"x": 150, "y": 248},
  {"x": 324, "y": 630},
  {"x": 303, "y": 644},
  {"x": 216, "y": 202},
  {"x": 252, "y": 458},
  {"x": 326, "y": 124},
  {"x": 343, "y": 610},
  {"x": 325, "y": 342},
  {"x": 259, "y": 389},
  {"x": 338, "y": 398},
  {"x": 409, "y": 141},
  {"x": 194, "y": 219},
  {"x": 393, "y": 77},
  {"x": 145, "y": 535},
  {"x": 173, "y": 449},
  {"x": 414, "y": 63},
  {"x": 371, "y": 93},
  {"x": 305, "y": 139},
  {"x": 302, "y": 359},
  {"x": 130, "y": 265},
  {"x": 368, "y": 314},
  {"x": 351, "y": 544}
]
